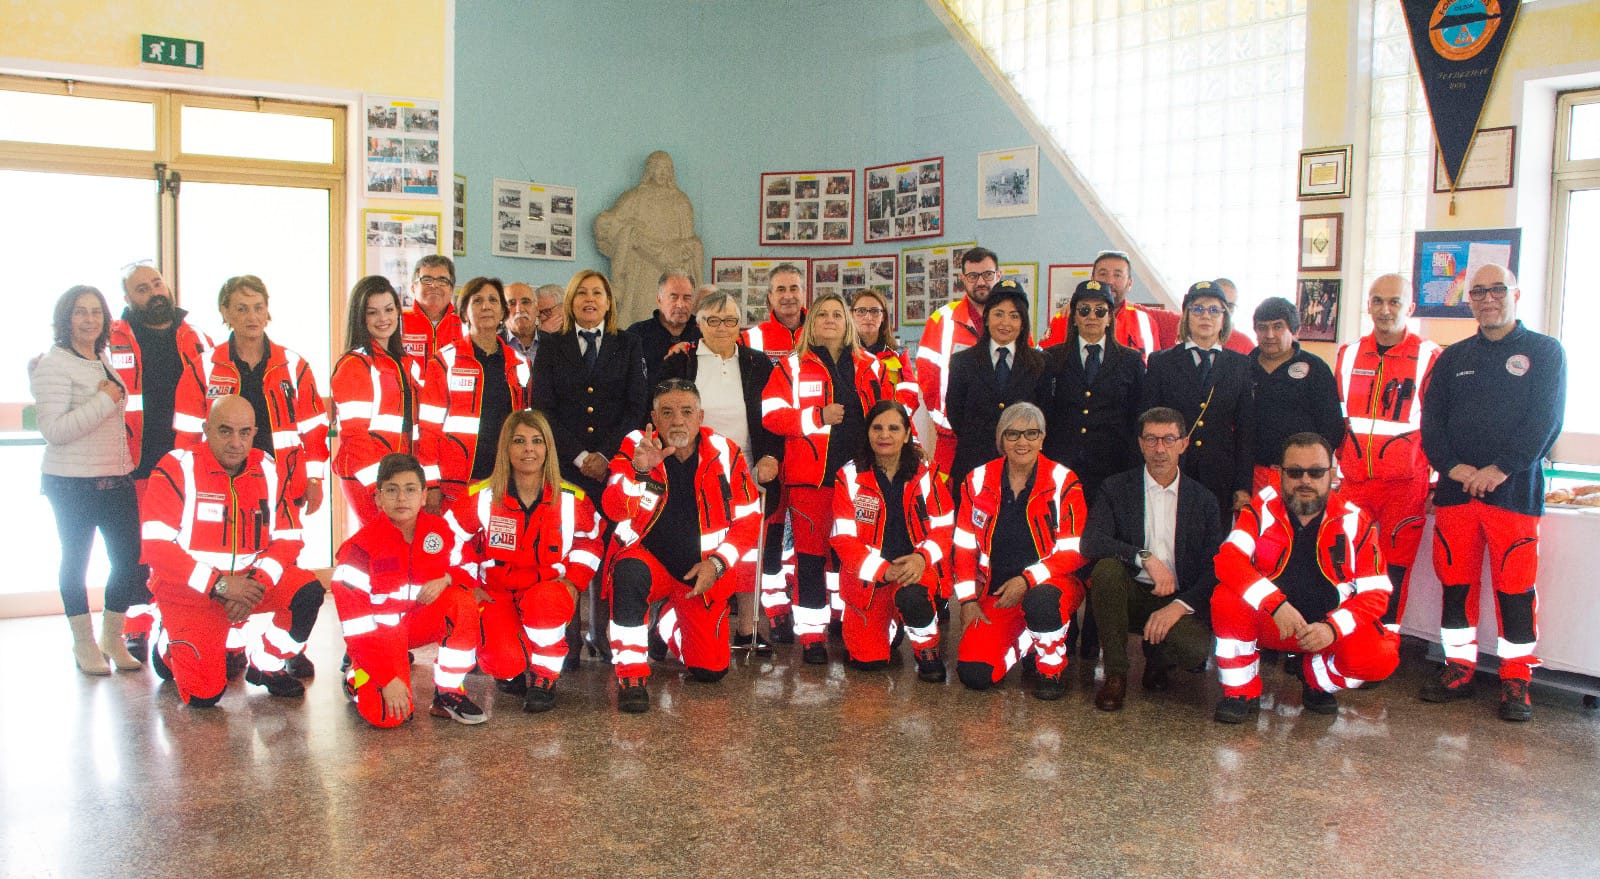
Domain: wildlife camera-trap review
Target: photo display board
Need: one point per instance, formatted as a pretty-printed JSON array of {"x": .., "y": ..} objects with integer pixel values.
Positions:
[
  {"x": 848, "y": 275},
  {"x": 402, "y": 147},
  {"x": 533, "y": 220},
  {"x": 1063, "y": 279},
  {"x": 808, "y": 207},
  {"x": 929, "y": 278},
  {"x": 745, "y": 279},
  {"x": 394, "y": 243},
  {"x": 905, "y": 200}
]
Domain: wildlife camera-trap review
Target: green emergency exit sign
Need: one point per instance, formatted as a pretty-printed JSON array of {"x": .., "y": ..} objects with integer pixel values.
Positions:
[{"x": 172, "y": 51}]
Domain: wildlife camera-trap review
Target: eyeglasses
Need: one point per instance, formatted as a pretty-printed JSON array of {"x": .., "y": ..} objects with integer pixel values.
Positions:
[
  {"x": 431, "y": 281},
  {"x": 410, "y": 489},
  {"x": 547, "y": 313},
  {"x": 1097, "y": 311},
  {"x": 728, "y": 322},
  {"x": 1168, "y": 441},
  {"x": 1031, "y": 434},
  {"x": 1478, "y": 294},
  {"x": 863, "y": 311},
  {"x": 975, "y": 277},
  {"x": 1303, "y": 472},
  {"x": 1207, "y": 310}
]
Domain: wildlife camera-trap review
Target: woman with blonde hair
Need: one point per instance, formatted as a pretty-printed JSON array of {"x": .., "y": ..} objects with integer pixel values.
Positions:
[
  {"x": 590, "y": 382},
  {"x": 817, "y": 399},
  {"x": 533, "y": 542}
]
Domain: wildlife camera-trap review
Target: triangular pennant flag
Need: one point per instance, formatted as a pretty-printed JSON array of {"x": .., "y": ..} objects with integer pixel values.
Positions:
[{"x": 1457, "y": 44}]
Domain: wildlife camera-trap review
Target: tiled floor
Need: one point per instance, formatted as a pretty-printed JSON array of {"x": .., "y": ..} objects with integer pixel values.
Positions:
[{"x": 781, "y": 770}]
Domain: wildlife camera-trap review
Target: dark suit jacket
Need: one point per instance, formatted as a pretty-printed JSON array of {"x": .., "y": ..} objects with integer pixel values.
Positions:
[
  {"x": 754, "y": 370},
  {"x": 974, "y": 401},
  {"x": 1094, "y": 428},
  {"x": 1221, "y": 451},
  {"x": 1115, "y": 530},
  {"x": 589, "y": 413},
  {"x": 655, "y": 340}
]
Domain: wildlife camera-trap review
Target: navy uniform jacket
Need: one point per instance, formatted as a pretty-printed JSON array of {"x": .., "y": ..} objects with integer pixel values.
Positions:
[
  {"x": 1221, "y": 417},
  {"x": 590, "y": 412},
  {"x": 1498, "y": 403}
]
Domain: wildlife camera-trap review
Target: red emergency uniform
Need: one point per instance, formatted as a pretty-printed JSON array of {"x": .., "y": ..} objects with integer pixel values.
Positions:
[
  {"x": 199, "y": 523},
  {"x": 295, "y": 412},
  {"x": 860, "y": 516},
  {"x": 951, "y": 329},
  {"x": 452, "y": 401},
  {"x": 1055, "y": 511},
  {"x": 1381, "y": 465},
  {"x": 728, "y": 507},
  {"x": 1134, "y": 328},
  {"x": 1349, "y": 555},
  {"x": 518, "y": 553},
  {"x": 128, "y": 360},
  {"x": 422, "y": 338},
  {"x": 370, "y": 396},
  {"x": 376, "y": 583},
  {"x": 772, "y": 338}
]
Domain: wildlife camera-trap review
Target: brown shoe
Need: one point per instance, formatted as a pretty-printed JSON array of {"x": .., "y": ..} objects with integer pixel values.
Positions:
[{"x": 1112, "y": 693}]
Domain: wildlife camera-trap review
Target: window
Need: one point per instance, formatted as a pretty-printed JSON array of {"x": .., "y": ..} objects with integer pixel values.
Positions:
[
  {"x": 1399, "y": 153},
  {"x": 1575, "y": 291},
  {"x": 1184, "y": 116}
]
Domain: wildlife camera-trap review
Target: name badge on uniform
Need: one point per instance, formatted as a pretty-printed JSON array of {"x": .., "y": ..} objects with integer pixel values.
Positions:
[
  {"x": 1518, "y": 364},
  {"x": 463, "y": 381},
  {"x": 502, "y": 532},
  {"x": 980, "y": 518},
  {"x": 208, "y": 512},
  {"x": 1299, "y": 370},
  {"x": 647, "y": 501},
  {"x": 414, "y": 345},
  {"x": 122, "y": 359},
  {"x": 811, "y": 389},
  {"x": 867, "y": 508},
  {"x": 215, "y": 391}
]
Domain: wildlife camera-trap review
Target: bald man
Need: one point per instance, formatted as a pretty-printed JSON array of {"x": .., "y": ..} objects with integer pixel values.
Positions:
[
  {"x": 222, "y": 545},
  {"x": 1382, "y": 378},
  {"x": 1491, "y": 414}
]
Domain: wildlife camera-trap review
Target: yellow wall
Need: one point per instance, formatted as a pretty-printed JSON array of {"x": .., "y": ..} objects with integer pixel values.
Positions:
[{"x": 336, "y": 44}]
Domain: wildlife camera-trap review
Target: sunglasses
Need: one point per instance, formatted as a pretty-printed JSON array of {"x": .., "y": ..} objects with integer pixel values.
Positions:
[
  {"x": 1097, "y": 311},
  {"x": 1303, "y": 472}
]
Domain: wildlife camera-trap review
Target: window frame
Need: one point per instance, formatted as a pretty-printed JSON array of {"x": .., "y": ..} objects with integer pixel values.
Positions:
[{"x": 1568, "y": 176}]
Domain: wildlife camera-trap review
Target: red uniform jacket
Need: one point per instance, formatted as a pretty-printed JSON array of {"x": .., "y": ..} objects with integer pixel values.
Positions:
[
  {"x": 1056, "y": 513},
  {"x": 1347, "y": 554},
  {"x": 452, "y": 400},
  {"x": 128, "y": 361},
  {"x": 791, "y": 407},
  {"x": 294, "y": 410},
  {"x": 422, "y": 338},
  {"x": 508, "y": 546},
  {"x": 951, "y": 329},
  {"x": 726, "y": 498},
  {"x": 859, "y": 522},
  {"x": 1134, "y": 328},
  {"x": 772, "y": 338},
  {"x": 369, "y": 403},
  {"x": 1382, "y": 398},
  {"x": 199, "y": 523},
  {"x": 377, "y": 578}
]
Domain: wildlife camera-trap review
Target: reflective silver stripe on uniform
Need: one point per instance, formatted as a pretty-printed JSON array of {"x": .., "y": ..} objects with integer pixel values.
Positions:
[
  {"x": 461, "y": 424},
  {"x": 1229, "y": 648},
  {"x": 1460, "y": 644},
  {"x": 135, "y": 402},
  {"x": 1343, "y": 620},
  {"x": 1378, "y": 427},
  {"x": 352, "y": 409},
  {"x": 1242, "y": 539},
  {"x": 1512, "y": 650},
  {"x": 1258, "y": 592},
  {"x": 386, "y": 424},
  {"x": 353, "y": 577},
  {"x": 185, "y": 423},
  {"x": 1238, "y": 677}
]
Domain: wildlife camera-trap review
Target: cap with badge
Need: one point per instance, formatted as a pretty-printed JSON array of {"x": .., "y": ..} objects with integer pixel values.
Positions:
[
  {"x": 1203, "y": 290},
  {"x": 1091, "y": 290}
]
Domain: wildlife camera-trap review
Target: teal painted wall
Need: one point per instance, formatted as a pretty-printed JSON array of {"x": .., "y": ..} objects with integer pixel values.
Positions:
[{"x": 580, "y": 92}]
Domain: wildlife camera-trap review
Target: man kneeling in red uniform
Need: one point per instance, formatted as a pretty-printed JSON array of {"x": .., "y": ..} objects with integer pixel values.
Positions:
[
  {"x": 1302, "y": 571},
  {"x": 396, "y": 589},
  {"x": 221, "y": 546},
  {"x": 687, "y": 513}
]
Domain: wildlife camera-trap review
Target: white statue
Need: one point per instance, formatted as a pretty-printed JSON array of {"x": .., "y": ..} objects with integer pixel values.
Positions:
[{"x": 649, "y": 230}]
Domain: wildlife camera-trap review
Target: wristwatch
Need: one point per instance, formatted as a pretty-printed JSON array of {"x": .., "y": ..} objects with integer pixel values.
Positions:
[
  {"x": 220, "y": 588},
  {"x": 719, "y": 564}
]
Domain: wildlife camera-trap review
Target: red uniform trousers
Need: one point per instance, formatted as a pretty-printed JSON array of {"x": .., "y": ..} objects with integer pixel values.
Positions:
[
  {"x": 525, "y": 628},
  {"x": 1399, "y": 507},
  {"x": 1007, "y": 636},
  {"x": 450, "y": 621},
  {"x": 695, "y": 628},
  {"x": 141, "y": 615},
  {"x": 871, "y": 609},
  {"x": 362, "y": 499},
  {"x": 811, "y": 516},
  {"x": 1461, "y": 534},
  {"x": 192, "y": 638},
  {"x": 1370, "y": 653}
]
